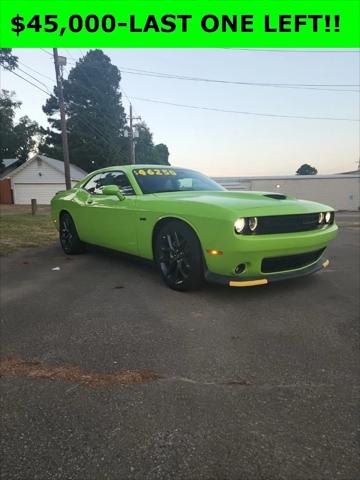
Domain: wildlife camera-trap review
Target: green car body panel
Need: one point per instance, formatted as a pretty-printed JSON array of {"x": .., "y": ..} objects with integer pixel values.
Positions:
[{"x": 129, "y": 225}]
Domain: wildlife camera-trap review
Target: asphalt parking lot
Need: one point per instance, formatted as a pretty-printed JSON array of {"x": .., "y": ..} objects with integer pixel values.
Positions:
[{"x": 244, "y": 384}]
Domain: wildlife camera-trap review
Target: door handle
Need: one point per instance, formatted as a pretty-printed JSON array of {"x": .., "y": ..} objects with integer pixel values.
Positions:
[{"x": 89, "y": 202}]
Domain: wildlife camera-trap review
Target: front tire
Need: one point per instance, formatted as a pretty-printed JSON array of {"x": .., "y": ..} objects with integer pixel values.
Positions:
[
  {"x": 69, "y": 238},
  {"x": 178, "y": 255}
]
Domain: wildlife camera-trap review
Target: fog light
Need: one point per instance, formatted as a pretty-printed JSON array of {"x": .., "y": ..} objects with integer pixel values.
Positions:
[
  {"x": 327, "y": 217},
  {"x": 240, "y": 268},
  {"x": 239, "y": 225},
  {"x": 252, "y": 222}
]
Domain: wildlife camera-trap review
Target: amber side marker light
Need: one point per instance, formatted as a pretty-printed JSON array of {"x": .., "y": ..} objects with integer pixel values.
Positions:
[{"x": 213, "y": 251}]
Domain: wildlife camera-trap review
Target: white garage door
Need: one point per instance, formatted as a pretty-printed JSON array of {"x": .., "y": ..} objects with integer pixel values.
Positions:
[{"x": 43, "y": 192}]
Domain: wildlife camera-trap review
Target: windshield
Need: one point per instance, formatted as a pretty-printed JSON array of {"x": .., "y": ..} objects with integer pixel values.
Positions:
[{"x": 157, "y": 180}]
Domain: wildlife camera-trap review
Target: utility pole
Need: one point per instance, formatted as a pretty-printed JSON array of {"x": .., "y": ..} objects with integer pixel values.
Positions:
[
  {"x": 132, "y": 135},
  {"x": 62, "y": 119}
]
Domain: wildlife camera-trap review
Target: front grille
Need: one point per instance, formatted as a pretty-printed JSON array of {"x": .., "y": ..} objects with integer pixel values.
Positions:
[
  {"x": 289, "y": 223},
  {"x": 290, "y": 262}
]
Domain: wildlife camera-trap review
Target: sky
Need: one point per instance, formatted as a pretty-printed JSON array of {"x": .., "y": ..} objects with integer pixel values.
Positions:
[{"x": 225, "y": 143}]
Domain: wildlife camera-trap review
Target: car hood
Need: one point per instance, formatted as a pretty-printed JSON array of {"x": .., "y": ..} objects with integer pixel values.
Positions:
[{"x": 258, "y": 203}]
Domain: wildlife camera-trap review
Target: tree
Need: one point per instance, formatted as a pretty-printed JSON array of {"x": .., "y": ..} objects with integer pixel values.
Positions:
[
  {"x": 17, "y": 140},
  {"x": 161, "y": 154},
  {"x": 96, "y": 120},
  {"x": 7, "y": 113},
  {"x": 144, "y": 147},
  {"x": 306, "y": 169},
  {"x": 7, "y": 59},
  {"x": 27, "y": 134},
  {"x": 146, "y": 151},
  {"x": 95, "y": 115}
]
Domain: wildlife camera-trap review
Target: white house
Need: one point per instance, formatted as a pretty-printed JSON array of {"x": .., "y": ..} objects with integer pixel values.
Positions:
[
  {"x": 40, "y": 178},
  {"x": 341, "y": 191}
]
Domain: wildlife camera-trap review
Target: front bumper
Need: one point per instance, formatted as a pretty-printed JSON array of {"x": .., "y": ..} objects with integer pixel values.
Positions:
[
  {"x": 265, "y": 279},
  {"x": 251, "y": 250}
]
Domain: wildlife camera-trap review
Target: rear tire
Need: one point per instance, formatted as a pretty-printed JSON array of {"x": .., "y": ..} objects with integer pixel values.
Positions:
[
  {"x": 69, "y": 238},
  {"x": 178, "y": 255}
]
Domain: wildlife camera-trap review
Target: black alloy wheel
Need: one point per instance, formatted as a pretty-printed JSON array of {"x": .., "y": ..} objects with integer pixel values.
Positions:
[
  {"x": 178, "y": 256},
  {"x": 69, "y": 239}
]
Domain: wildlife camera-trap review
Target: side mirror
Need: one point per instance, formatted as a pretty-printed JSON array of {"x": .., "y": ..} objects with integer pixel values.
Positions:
[{"x": 113, "y": 190}]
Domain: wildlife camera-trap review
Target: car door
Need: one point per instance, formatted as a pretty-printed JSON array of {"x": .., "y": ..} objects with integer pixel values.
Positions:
[{"x": 105, "y": 219}]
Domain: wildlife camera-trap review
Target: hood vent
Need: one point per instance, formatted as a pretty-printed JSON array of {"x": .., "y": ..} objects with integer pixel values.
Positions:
[{"x": 276, "y": 196}]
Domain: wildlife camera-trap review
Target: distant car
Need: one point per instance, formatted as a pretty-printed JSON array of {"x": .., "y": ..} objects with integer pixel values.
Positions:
[{"x": 193, "y": 228}]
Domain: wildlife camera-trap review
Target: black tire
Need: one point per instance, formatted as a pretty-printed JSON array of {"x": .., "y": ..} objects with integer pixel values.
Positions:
[
  {"x": 69, "y": 238},
  {"x": 178, "y": 255}
]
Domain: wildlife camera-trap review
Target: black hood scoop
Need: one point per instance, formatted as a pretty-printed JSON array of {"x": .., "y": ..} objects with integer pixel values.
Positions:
[{"x": 276, "y": 196}]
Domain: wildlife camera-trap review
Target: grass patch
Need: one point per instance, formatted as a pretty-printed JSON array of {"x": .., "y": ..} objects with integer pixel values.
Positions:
[{"x": 25, "y": 231}]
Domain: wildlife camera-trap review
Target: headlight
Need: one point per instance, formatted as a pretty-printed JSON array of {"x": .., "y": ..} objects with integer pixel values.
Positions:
[
  {"x": 321, "y": 218},
  {"x": 327, "y": 217},
  {"x": 239, "y": 225},
  {"x": 252, "y": 222}
]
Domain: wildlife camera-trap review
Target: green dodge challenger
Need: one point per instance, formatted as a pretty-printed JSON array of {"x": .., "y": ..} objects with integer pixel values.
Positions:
[{"x": 193, "y": 228}]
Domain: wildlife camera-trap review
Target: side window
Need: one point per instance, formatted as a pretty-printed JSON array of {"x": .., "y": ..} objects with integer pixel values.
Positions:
[
  {"x": 95, "y": 184},
  {"x": 120, "y": 180}
]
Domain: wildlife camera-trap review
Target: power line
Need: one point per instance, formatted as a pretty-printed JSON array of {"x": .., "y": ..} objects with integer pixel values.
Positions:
[
  {"x": 347, "y": 88},
  {"x": 125, "y": 94},
  {"x": 70, "y": 55},
  {"x": 45, "y": 51},
  {"x": 95, "y": 130},
  {"x": 36, "y": 71},
  {"x": 149, "y": 73},
  {"x": 304, "y": 117},
  {"x": 92, "y": 129},
  {"x": 87, "y": 88},
  {"x": 214, "y": 109},
  {"x": 89, "y": 126},
  {"x": 136, "y": 114},
  {"x": 121, "y": 88},
  {"x": 294, "y": 50},
  {"x": 91, "y": 89},
  {"x": 34, "y": 78},
  {"x": 28, "y": 81},
  {"x": 196, "y": 107}
]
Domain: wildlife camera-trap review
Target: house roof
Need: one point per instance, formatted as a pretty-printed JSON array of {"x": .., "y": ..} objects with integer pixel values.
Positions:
[
  {"x": 76, "y": 173},
  {"x": 351, "y": 173},
  {"x": 10, "y": 164},
  {"x": 7, "y": 162},
  {"x": 289, "y": 177}
]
